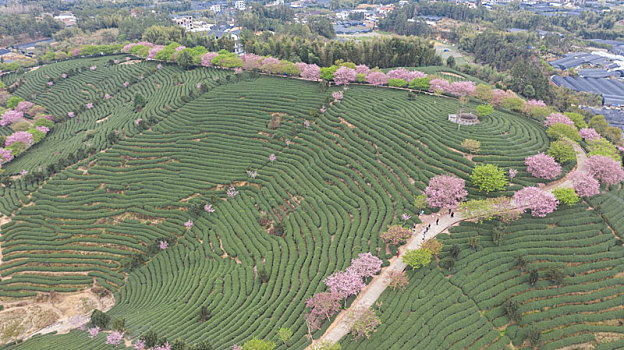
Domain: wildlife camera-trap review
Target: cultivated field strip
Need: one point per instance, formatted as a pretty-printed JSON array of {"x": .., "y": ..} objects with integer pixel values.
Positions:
[{"x": 336, "y": 186}]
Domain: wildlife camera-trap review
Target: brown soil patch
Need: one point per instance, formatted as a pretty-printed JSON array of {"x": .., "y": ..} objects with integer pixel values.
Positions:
[
  {"x": 102, "y": 120},
  {"x": 25, "y": 318},
  {"x": 118, "y": 219},
  {"x": 349, "y": 125},
  {"x": 276, "y": 119},
  {"x": 129, "y": 62},
  {"x": 194, "y": 195},
  {"x": 453, "y": 75}
]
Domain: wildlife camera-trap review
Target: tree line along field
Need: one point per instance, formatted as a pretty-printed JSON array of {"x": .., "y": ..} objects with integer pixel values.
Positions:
[
  {"x": 335, "y": 185},
  {"x": 465, "y": 305}
]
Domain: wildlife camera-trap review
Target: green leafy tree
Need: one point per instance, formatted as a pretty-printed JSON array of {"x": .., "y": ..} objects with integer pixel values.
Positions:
[
  {"x": 560, "y": 130},
  {"x": 150, "y": 338},
  {"x": 417, "y": 258},
  {"x": 533, "y": 277},
  {"x": 473, "y": 146},
  {"x": 421, "y": 84},
  {"x": 513, "y": 311},
  {"x": 485, "y": 110},
  {"x": 555, "y": 275},
  {"x": 450, "y": 61},
  {"x": 397, "y": 82},
  {"x": 562, "y": 151},
  {"x": 599, "y": 123},
  {"x": 14, "y": 101},
  {"x": 99, "y": 319},
  {"x": 119, "y": 324},
  {"x": 139, "y": 101},
  {"x": 613, "y": 134},
  {"x": 488, "y": 178},
  {"x": 602, "y": 147},
  {"x": 420, "y": 202},
  {"x": 327, "y": 73},
  {"x": 534, "y": 336},
  {"x": 184, "y": 59},
  {"x": 578, "y": 119},
  {"x": 284, "y": 334},
  {"x": 258, "y": 344},
  {"x": 566, "y": 196}
]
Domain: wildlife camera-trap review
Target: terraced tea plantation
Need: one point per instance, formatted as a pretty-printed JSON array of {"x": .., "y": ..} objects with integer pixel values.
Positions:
[
  {"x": 337, "y": 180},
  {"x": 465, "y": 306}
]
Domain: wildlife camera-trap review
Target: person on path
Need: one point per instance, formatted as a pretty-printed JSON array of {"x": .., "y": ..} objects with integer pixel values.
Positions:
[
  {"x": 422, "y": 212},
  {"x": 452, "y": 214},
  {"x": 437, "y": 221},
  {"x": 449, "y": 210},
  {"x": 397, "y": 253}
]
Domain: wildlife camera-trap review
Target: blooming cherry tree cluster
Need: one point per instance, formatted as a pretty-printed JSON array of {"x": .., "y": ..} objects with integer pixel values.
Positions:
[
  {"x": 345, "y": 283},
  {"x": 24, "y": 106},
  {"x": 310, "y": 72},
  {"x": 543, "y": 166},
  {"x": 366, "y": 265},
  {"x": 344, "y": 76},
  {"x": 188, "y": 224},
  {"x": 10, "y": 117},
  {"x": 114, "y": 338},
  {"x": 604, "y": 169},
  {"x": 324, "y": 305},
  {"x": 589, "y": 134},
  {"x": 540, "y": 202},
  {"x": 377, "y": 78},
  {"x": 445, "y": 191},
  {"x": 5, "y": 155},
  {"x": 209, "y": 209},
  {"x": 402, "y": 73},
  {"x": 396, "y": 235},
  {"x": 20, "y": 136},
  {"x": 554, "y": 118},
  {"x": 93, "y": 331},
  {"x": 439, "y": 86},
  {"x": 163, "y": 245},
  {"x": 584, "y": 184},
  {"x": 231, "y": 192}
]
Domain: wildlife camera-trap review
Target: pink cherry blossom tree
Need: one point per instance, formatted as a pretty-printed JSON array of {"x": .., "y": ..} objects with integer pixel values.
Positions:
[
  {"x": 399, "y": 73},
  {"x": 272, "y": 157},
  {"x": 251, "y": 61},
  {"x": 396, "y": 235},
  {"x": 93, "y": 331},
  {"x": 311, "y": 72},
  {"x": 89, "y": 105},
  {"x": 206, "y": 59},
  {"x": 270, "y": 64},
  {"x": 344, "y": 283},
  {"x": 24, "y": 106},
  {"x": 362, "y": 69},
  {"x": 324, "y": 305},
  {"x": 462, "y": 88},
  {"x": 344, "y": 75},
  {"x": 163, "y": 245},
  {"x": 589, "y": 134},
  {"x": 604, "y": 169},
  {"x": 188, "y": 224},
  {"x": 139, "y": 345},
  {"x": 366, "y": 265},
  {"x": 543, "y": 166},
  {"x": 20, "y": 136},
  {"x": 377, "y": 78},
  {"x": 365, "y": 324},
  {"x": 71, "y": 114},
  {"x": 165, "y": 346},
  {"x": 512, "y": 173},
  {"x": 397, "y": 280},
  {"x": 337, "y": 95},
  {"x": 10, "y": 117},
  {"x": 554, "y": 118},
  {"x": 540, "y": 202},
  {"x": 107, "y": 96},
  {"x": 209, "y": 209},
  {"x": 584, "y": 184},
  {"x": 231, "y": 192},
  {"x": 445, "y": 191},
  {"x": 5, "y": 155},
  {"x": 439, "y": 86},
  {"x": 114, "y": 338}
]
